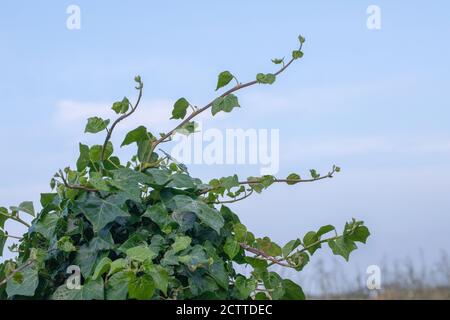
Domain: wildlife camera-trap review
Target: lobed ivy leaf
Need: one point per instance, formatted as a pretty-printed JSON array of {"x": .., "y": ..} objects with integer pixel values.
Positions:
[
  {"x": 225, "y": 104},
  {"x": 267, "y": 78},
  {"x": 121, "y": 107},
  {"x": 297, "y": 54},
  {"x": 342, "y": 247},
  {"x": 26, "y": 206},
  {"x": 25, "y": 285},
  {"x": 141, "y": 287},
  {"x": 96, "y": 124},
  {"x": 224, "y": 78},
  {"x": 136, "y": 135},
  {"x": 180, "y": 109}
]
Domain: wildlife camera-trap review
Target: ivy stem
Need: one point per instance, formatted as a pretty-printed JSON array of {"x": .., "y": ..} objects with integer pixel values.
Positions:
[
  {"x": 237, "y": 87},
  {"x": 17, "y": 218}
]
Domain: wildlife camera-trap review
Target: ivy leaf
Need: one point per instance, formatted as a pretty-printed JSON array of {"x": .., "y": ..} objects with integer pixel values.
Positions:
[
  {"x": 293, "y": 176},
  {"x": 159, "y": 215},
  {"x": 342, "y": 247},
  {"x": 278, "y": 61},
  {"x": 245, "y": 286},
  {"x": 268, "y": 78},
  {"x": 137, "y": 135},
  {"x": 314, "y": 174},
  {"x": 117, "y": 265},
  {"x": 160, "y": 277},
  {"x": 181, "y": 243},
  {"x": 117, "y": 286},
  {"x": 140, "y": 253},
  {"x": 207, "y": 215},
  {"x": 141, "y": 287},
  {"x": 91, "y": 290},
  {"x": 95, "y": 152},
  {"x": 26, "y": 206},
  {"x": 309, "y": 239},
  {"x": 83, "y": 159},
  {"x": 100, "y": 212},
  {"x": 224, "y": 78},
  {"x": 46, "y": 225},
  {"x": 120, "y": 107},
  {"x": 26, "y": 285},
  {"x": 3, "y": 238},
  {"x": 180, "y": 108},
  {"x": 225, "y": 104},
  {"x": 360, "y": 234},
  {"x": 325, "y": 229},
  {"x": 301, "y": 39},
  {"x": 96, "y": 124},
  {"x": 231, "y": 248},
  {"x": 196, "y": 258},
  {"x": 290, "y": 246},
  {"x": 297, "y": 54},
  {"x": 102, "y": 267},
  {"x": 292, "y": 291},
  {"x": 130, "y": 181},
  {"x": 65, "y": 244}
]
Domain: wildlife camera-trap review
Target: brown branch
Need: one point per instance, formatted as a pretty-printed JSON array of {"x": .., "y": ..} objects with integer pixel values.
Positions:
[
  {"x": 122, "y": 117},
  {"x": 238, "y": 86},
  {"x": 293, "y": 181},
  {"x": 74, "y": 187},
  {"x": 264, "y": 255},
  {"x": 235, "y": 199}
]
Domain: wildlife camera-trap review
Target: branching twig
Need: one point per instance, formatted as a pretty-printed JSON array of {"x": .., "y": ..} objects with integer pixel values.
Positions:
[
  {"x": 195, "y": 113},
  {"x": 122, "y": 117},
  {"x": 74, "y": 187},
  {"x": 264, "y": 255},
  {"x": 16, "y": 218},
  {"x": 236, "y": 199},
  {"x": 293, "y": 181}
]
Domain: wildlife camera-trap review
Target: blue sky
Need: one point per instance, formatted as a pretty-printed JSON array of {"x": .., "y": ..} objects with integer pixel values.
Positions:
[{"x": 374, "y": 102}]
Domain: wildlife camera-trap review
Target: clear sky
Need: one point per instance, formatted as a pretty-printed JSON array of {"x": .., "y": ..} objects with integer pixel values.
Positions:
[{"x": 374, "y": 102}]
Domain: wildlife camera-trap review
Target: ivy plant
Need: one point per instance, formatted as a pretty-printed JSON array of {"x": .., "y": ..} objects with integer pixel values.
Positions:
[{"x": 146, "y": 229}]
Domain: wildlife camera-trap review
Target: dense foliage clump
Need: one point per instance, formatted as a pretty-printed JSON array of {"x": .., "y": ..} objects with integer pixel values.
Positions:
[{"x": 146, "y": 229}]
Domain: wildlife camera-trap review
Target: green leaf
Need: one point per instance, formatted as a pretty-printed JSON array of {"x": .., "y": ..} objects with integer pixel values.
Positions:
[
  {"x": 301, "y": 39},
  {"x": 27, "y": 284},
  {"x": 117, "y": 286},
  {"x": 96, "y": 124},
  {"x": 290, "y": 246},
  {"x": 140, "y": 253},
  {"x": 26, "y": 206},
  {"x": 292, "y": 291},
  {"x": 342, "y": 247},
  {"x": 268, "y": 78},
  {"x": 277, "y": 61},
  {"x": 3, "y": 239},
  {"x": 224, "y": 78},
  {"x": 207, "y": 215},
  {"x": 102, "y": 267},
  {"x": 130, "y": 181},
  {"x": 91, "y": 290},
  {"x": 97, "y": 181},
  {"x": 136, "y": 135},
  {"x": 309, "y": 239},
  {"x": 314, "y": 174},
  {"x": 95, "y": 152},
  {"x": 160, "y": 278},
  {"x": 293, "y": 176},
  {"x": 46, "y": 225},
  {"x": 65, "y": 244},
  {"x": 84, "y": 158},
  {"x": 180, "y": 108},
  {"x": 325, "y": 229},
  {"x": 141, "y": 288},
  {"x": 245, "y": 286},
  {"x": 269, "y": 247},
  {"x": 225, "y": 104},
  {"x": 360, "y": 234},
  {"x": 196, "y": 258},
  {"x": 231, "y": 248},
  {"x": 181, "y": 243},
  {"x": 121, "y": 107},
  {"x": 100, "y": 212},
  {"x": 159, "y": 215},
  {"x": 297, "y": 54},
  {"x": 117, "y": 265}
]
